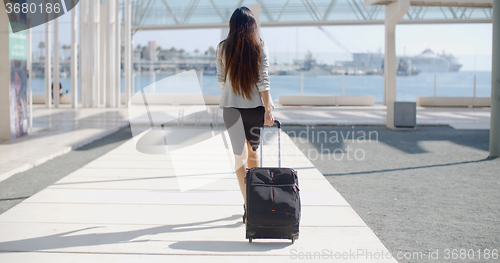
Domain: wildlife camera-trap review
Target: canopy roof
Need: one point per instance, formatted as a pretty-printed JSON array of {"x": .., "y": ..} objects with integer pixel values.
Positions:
[{"x": 176, "y": 14}]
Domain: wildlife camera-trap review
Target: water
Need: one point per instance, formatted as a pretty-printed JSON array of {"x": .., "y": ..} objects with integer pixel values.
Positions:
[{"x": 449, "y": 84}]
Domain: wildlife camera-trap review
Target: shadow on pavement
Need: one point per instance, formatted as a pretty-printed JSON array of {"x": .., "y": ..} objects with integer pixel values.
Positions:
[
  {"x": 229, "y": 246},
  {"x": 332, "y": 138},
  {"x": 71, "y": 239},
  {"x": 409, "y": 168}
]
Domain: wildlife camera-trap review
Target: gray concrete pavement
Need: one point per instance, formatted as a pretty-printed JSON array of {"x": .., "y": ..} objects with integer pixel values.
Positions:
[
  {"x": 21, "y": 186},
  {"x": 57, "y": 132},
  {"x": 420, "y": 191}
]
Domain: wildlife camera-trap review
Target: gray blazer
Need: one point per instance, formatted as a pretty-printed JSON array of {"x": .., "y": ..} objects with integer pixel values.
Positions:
[{"x": 229, "y": 98}]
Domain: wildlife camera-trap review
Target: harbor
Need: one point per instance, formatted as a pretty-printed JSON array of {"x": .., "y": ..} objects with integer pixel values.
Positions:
[
  {"x": 362, "y": 75},
  {"x": 427, "y": 74},
  {"x": 171, "y": 61}
]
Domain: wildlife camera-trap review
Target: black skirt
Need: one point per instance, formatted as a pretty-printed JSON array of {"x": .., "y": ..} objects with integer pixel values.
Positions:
[{"x": 241, "y": 124}]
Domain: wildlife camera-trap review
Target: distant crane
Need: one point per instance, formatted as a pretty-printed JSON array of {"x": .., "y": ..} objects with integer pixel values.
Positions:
[
  {"x": 340, "y": 45},
  {"x": 334, "y": 40}
]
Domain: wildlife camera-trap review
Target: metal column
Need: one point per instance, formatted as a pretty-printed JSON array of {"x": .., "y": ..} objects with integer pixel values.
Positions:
[
  {"x": 55, "y": 91},
  {"x": 110, "y": 54},
  {"x": 29, "y": 66},
  {"x": 128, "y": 51},
  {"x": 256, "y": 13},
  {"x": 73, "y": 66},
  {"x": 97, "y": 54},
  {"x": 393, "y": 13},
  {"x": 495, "y": 85},
  {"x": 48, "y": 69},
  {"x": 103, "y": 62},
  {"x": 82, "y": 40},
  {"x": 118, "y": 52},
  {"x": 91, "y": 83}
]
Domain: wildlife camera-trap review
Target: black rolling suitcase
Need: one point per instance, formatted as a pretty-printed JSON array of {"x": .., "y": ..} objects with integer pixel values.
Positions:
[{"x": 273, "y": 200}]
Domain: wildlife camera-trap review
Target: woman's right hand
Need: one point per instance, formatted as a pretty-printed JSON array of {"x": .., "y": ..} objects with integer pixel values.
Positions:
[
  {"x": 268, "y": 118},
  {"x": 268, "y": 115}
]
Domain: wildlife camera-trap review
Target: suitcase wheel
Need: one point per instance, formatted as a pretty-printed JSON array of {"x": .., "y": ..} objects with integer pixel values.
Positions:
[
  {"x": 293, "y": 240},
  {"x": 250, "y": 240}
]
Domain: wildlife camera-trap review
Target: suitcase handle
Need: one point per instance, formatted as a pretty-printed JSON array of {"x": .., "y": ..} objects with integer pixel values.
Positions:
[{"x": 279, "y": 140}]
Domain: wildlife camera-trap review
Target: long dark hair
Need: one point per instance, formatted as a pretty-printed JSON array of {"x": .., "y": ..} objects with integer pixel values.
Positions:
[{"x": 242, "y": 49}]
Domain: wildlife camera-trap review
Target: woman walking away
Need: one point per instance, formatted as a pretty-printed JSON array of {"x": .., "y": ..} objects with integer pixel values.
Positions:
[{"x": 242, "y": 74}]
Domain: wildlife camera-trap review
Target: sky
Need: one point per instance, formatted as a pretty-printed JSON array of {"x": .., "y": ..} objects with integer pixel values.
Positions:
[{"x": 471, "y": 43}]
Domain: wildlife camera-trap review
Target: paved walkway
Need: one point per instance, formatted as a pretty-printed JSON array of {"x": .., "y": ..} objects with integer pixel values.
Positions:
[
  {"x": 458, "y": 118},
  {"x": 58, "y": 131},
  {"x": 127, "y": 206}
]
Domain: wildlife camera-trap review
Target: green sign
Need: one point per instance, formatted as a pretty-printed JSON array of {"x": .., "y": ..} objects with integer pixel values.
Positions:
[{"x": 18, "y": 48}]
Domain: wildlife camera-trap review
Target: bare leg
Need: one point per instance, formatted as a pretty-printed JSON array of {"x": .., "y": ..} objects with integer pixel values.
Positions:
[
  {"x": 253, "y": 157},
  {"x": 240, "y": 162}
]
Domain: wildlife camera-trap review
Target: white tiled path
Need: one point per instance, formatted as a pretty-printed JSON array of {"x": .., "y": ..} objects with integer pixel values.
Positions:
[
  {"x": 56, "y": 132},
  {"x": 127, "y": 206}
]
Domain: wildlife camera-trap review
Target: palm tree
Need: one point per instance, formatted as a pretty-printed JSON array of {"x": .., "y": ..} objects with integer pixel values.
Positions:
[{"x": 211, "y": 51}]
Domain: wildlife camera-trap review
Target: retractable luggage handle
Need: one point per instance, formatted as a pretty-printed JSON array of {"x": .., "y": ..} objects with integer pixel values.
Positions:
[{"x": 279, "y": 140}]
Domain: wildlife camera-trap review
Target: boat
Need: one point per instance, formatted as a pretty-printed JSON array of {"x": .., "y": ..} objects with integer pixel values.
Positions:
[
  {"x": 307, "y": 67},
  {"x": 454, "y": 64},
  {"x": 283, "y": 70},
  {"x": 428, "y": 61},
  {"x": 368, "y": 61},
  {"x": 405, "y": 67}
]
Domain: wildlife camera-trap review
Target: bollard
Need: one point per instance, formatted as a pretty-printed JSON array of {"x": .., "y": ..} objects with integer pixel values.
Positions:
[
  {"x": 201, "y": 81},
  {"x": 301, "y": 83},
  {"x": 343, "y": 84},
  {"x": 434, "y": 85},
  {"x": 474, "y": 86}
]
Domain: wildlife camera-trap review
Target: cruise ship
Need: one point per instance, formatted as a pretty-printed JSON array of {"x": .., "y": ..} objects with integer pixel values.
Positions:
[
  {"x": 454, "y": 64},
  {"x": 428, "y": 61}
]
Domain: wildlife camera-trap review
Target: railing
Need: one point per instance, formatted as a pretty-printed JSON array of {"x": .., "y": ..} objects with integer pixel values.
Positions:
[
  {"x": 458, "y": 99},
  {"x": 465, "y": 83}
]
